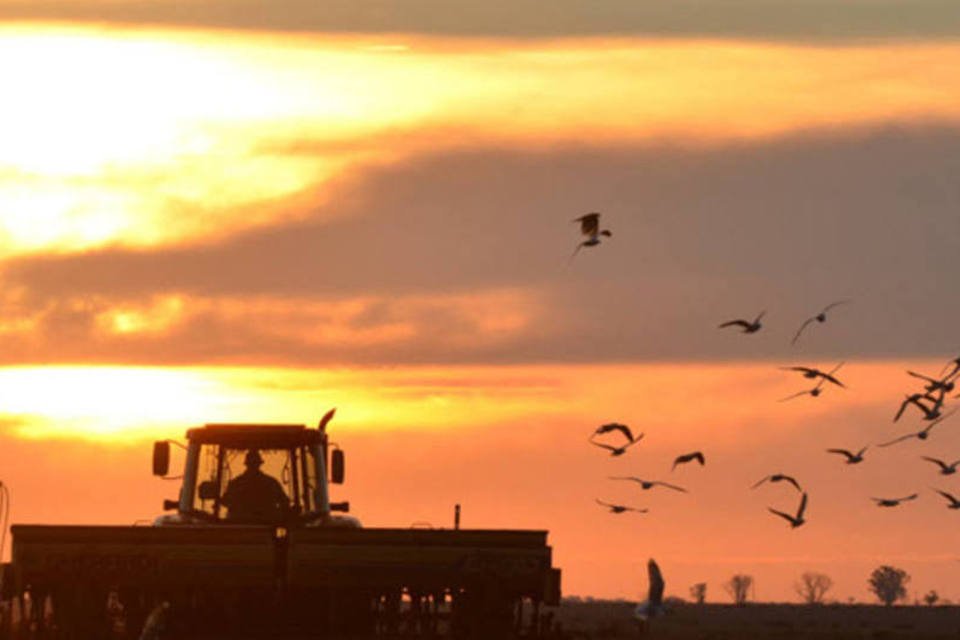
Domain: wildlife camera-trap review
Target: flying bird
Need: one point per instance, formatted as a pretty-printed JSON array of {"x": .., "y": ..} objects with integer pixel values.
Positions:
[
  {"x": 590, "y": 227},
  {"x": 923, "y": 434},
  {"x": 929, "y": 413},
  {"x": 820, "y": 317},
  {"x": 616, "y": 426},
  {"x": 954, "y": 503},
  {"x": 778, "y": 477},
  {"x": 653, "y": 605},
  {"x": 797, "y": 520},
  {"x": 615, "y": 451},
  {"x": 893, "y": 502},
  {"x": 945, "y": 469},
  {"x": 852, "y": 458},
  {"x": 748, "y": 327},
  {"x": 687, "y": 457},
  {"x": 813, "y": 374},
  {"x": 648, "y": 484},
  {"x": 619, "y": 508},
  {"x": 945, "y": 384},
  {"x": 813, "y": 393}
]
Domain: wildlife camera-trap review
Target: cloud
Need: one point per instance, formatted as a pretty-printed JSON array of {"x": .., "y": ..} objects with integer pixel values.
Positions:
[
  {"x": 463, "y": 257},
  {"x": 764, "y": 19}
]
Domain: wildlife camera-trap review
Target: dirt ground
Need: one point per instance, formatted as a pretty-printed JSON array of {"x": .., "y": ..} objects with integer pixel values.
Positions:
[{"x": 614, "y": 620}]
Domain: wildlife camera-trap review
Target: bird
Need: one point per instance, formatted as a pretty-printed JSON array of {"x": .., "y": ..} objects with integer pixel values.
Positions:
[
  {"x": 797, "y": 520},
  {"x": 653, "y": 605},
  {"x": 615, "y": 426},
  {"x": 778, "y": 477},
  {"x": 820, "y": 317},
  {"x": 923, "y": 434},
  {"x": 590, "y": 227},
  {"x": 893, "y": 502},
  {"x": 813, "y": 373},
  {"x": 955, "y": 363},
  {"x": 748, "y": 327},
  {"x": 852, "y": 458},
  {"x": 615, "y": 451},
  {"x": 954, "y": 503},
  {"x": 619, "y": 508},
  {"x": 933, "y": 384},
  {"x": 816, "y": 391},
  {"x": 929, "y": 413},
  {"x": 687, "y": 457},
  {"x": 945, "y": 469},
  {"x": 648, "y": 484}
]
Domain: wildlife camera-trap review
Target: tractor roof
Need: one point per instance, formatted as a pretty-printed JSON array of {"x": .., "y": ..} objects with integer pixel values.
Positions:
[{"x": 255, "y": 436}]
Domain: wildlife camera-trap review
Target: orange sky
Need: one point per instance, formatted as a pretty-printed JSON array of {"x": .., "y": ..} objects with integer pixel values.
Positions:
[{"x": 206, "y": 226}]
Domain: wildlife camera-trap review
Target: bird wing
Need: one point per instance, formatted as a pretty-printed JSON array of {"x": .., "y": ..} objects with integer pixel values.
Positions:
[
  {"x": 803, "y": 507},
  {"x": 670, "y": 486},
  {"x": 948, "y": 496},
  {"x": 732, "y": 323},
  {"x": 634, "y": 441},
  {"x": 699, "y": 458},
  {"x": 757, "y": 319},
  {"x": 795, "y": 395},
  {"x": 912, "y": 496},
  {"x": 624, "y": 429},
  {"x": 786, "y": 516},
  {"x": 900, "y": 439},
  {"x": 605, "y": 504},
  {"x": 793, "y": 481},
  {"x": 843, "y": 452},
  {"x": 636, "y": 509},
  {"x": 830, "y": 378},
  {"x": 903, "y": 407},
  {"x": 589, "y": 223},
  {"x": 834, "y": 304},
  {"x": 800, "y": 330},
  {"x": 631, "y": 478},
  {"x": 655, "y": 577},
  {"x": 760, "y": 482},
  {"x": 798, "y": 368},
  {"x": 943, "y": 465},
  {"x": 602, "y": 445},
  {"x": 921, "y": 376}
]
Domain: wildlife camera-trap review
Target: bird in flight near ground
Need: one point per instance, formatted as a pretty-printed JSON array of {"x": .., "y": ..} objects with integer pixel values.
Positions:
[
  {"x": 797, "y": 520},
  {"x": 619, "y": 508},
  {"x": 923, "y": 434},
  {"x": 893, "y": 502},
  {"x": 778, "y": 477},
  {"x": 615, "y": 451},
  {"x": 954, "y": 503},
  {"x": 745, "y": 325},
  {"x": 820, "y": 317},
  {"x": 852, "y": 458},
  {"x": 590, "y": 227},
  {"x": 813, "y": 373},
  {"x": 687, "y": 457},
  {"x": 649, "y": 484},
  {"x": 653, "y": 605},
  {"x": 945, "y": 469}
]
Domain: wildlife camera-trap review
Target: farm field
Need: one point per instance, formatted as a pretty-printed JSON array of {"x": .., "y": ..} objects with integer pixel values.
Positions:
[{"x": 612, "y": 619}]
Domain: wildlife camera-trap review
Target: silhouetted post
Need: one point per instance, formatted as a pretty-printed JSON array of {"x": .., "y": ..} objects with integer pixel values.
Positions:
[{"x": 456, "y": 516}]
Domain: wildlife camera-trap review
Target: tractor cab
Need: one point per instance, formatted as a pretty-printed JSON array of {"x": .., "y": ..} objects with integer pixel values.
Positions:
[{"x": 270, "y": 474}]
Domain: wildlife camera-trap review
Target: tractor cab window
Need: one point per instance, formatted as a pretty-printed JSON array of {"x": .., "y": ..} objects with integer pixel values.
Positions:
[{"x": 249, "y": 486}]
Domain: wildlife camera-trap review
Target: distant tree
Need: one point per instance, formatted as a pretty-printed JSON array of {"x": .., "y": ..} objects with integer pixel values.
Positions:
[
  {"x": 889, "y": 584},
  {"x": 931, "y": 598},
  {"x": 739, "y": 588},
  {"x": 812, "y": 587},
  {"x": 699, "y": 592}
]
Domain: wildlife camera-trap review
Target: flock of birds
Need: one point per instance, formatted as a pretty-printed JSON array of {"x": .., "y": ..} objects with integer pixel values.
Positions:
[{"x": 928, "y": 402}]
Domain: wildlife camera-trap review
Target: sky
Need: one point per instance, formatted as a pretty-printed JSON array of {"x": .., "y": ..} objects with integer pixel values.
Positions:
[{"x": 228, "y": 211}]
